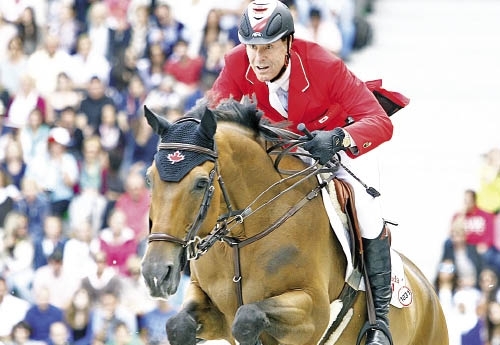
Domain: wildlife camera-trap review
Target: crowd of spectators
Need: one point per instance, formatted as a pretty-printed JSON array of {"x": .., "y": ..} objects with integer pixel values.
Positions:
[
  {"x": 468, "y": 275},
  {"x": 74, "y": 144}
]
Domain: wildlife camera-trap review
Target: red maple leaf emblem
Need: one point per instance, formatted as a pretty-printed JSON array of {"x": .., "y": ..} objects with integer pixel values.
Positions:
[{"x": 175, "y": 157}]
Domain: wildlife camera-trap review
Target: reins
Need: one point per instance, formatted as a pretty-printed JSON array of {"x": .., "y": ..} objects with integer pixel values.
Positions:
[{"x": 195, "y": 246}]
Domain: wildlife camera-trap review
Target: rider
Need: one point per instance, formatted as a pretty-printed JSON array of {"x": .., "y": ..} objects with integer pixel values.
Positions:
[{"x": 300, "y": 82}]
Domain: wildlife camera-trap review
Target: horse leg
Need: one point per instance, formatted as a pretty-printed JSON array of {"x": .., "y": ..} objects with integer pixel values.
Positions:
[
  {"x": 199, "y": 318},
  {"x": 289, "y": 318},
  {"x": 181, "y": 329}
]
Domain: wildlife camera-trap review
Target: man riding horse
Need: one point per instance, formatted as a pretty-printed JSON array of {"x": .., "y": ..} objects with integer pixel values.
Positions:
[{"x": 297, "y": 81}]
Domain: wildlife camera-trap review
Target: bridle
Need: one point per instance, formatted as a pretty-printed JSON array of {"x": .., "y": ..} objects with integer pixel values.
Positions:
[{"x": 195, "y": 246}]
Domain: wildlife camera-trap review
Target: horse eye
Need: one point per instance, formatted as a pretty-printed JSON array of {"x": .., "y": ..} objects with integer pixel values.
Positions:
[{"x": 201, "y": 184}]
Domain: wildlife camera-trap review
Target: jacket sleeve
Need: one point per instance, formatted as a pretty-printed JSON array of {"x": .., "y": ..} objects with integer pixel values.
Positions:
[{"x": 371, "y": 126}]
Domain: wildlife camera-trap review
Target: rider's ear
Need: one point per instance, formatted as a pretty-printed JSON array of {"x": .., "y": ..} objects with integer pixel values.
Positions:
[
  {"x": 208, "y": 124},
  {"x": 159, "y": 124}
]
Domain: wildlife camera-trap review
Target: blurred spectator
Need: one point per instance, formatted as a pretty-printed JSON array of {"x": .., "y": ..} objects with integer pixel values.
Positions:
[
  {"x": 480, "y": 230},
  {"x": 112, "y": 137},
  {"x": 89, "y": 204},
  {"x": 41, "y": 315},
  {"x": 488, "y": 193},
  {"x": 344, "y": 13},
  {"x": 184, "y": 68},
  {"x": 135, "y": 294},
  {"x": 166, "y": 29},
  {"x": 117, "y": 241},
  {"x": 488, "y": 286},
  {"x": 45, "y": 65},
  {"x": 34, "y": 136},
  {"x": 143, "y": 145},
  {"x": 78, "y": 317},
  {"x": 493, "y": 323},
  {"x": 446, "y": 285},
  {"x": 132, "y": 108},
  {"x": 59, "y": 334},
  {"x": 35, "y": 205},
  {"x": 467, "y": 299},
  {"x": 98, "y": 29},
  {"x": 151, "y": 67},
  {"x": 57, "y": 171},
  {"x": 323, "y": 31},
  {"x": 63, "y": 23},
  {"x": 7, "y": 134},
  {"x": 8, "y": 194},
  {"x": 465, "y": 257},
  {"x": 117, "y": 10},
  {"x": 79, "y": 251},
  {"x": 122, "y": 72},
  {"x": 139, "y": 21},
  {"x": 20, "y": 335},
  {"x": 29, "y": 31},
  {"x": 68, "y": 119},
  {"x": 104, "y": 280},
  {"x": 24, "y": 101},
  {"x": 109, "y": 313},
  {"x": 152, "y": 326},
  {"x": 213, "y": 32},
  {"x": 87, "y": 64},
  {"x": 7, "y": 32},
  {"x": 13, "y": 163},
  {"x": 164, "y": 97},
  {"x": 135, "y": 203},
  {"x": 120, "y": 35},
  {"x": 12, "y": 310},
  {"x": 91, "y": 106},
  {"x": 17, "y": 256},
  {"x": 123, "y": 336},
  {"x": 57, "y": 280},
  {"x": 53, "y": 240},
  {"x": 64, "y": 96},
  {"x": 13, "y": 65}
]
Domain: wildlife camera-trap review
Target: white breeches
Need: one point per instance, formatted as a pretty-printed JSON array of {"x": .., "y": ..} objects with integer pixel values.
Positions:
[{"x": 368, "y": 208}]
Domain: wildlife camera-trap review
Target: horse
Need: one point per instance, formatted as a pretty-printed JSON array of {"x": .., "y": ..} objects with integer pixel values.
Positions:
[{"x": 265, "y": 266}]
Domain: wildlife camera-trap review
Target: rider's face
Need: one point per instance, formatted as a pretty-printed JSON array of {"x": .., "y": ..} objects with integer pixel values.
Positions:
[{"x": 267, "y": 60}]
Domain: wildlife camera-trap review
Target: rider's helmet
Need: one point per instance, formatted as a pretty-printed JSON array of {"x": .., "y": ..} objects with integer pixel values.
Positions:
[{"x": 265, "y": 21}]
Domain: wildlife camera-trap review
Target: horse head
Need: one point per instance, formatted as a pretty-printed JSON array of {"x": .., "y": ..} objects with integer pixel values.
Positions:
[{"x": 181, "y": 177}]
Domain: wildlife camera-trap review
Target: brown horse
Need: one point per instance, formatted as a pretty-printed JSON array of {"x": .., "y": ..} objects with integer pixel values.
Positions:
[{"x": 266, "y": 268}]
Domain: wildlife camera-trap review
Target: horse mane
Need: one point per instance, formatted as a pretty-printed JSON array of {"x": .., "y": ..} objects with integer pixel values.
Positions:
[{"x": 247, "y": 114}]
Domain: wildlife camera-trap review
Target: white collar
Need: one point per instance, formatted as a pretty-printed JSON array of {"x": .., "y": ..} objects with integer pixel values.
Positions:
[{"x": 282, "y": 82}]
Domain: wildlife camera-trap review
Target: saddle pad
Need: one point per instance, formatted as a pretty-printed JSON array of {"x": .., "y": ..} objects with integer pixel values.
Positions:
[{"x": 402, "y": 295}]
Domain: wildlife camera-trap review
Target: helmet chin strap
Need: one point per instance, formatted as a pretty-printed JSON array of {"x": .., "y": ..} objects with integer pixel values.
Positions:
[{"x": 287, "y": 59}]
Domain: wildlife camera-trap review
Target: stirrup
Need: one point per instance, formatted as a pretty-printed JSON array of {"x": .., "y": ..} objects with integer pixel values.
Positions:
[{"x": 381, "y": 326}]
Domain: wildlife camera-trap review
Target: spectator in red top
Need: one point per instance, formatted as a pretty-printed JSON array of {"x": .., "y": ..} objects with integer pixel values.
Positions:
[
  {"x": 479, "y": 224},
  {"x": 184, "y": 68},
  {"x": 118, "y": 241},
  {"x": 479, "y": 228}
]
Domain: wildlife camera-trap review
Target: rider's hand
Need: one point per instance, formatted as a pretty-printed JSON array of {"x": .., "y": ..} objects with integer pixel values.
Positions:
[{"x": 325, "y": 144}]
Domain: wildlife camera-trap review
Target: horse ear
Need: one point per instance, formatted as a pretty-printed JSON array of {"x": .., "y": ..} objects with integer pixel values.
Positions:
[
  {"x": 208, "y": 124},
  {"x": 158, "y": 123}
]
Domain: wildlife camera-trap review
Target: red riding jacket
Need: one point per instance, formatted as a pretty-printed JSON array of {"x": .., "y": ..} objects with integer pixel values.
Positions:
[{"x": 322, "y": 94}]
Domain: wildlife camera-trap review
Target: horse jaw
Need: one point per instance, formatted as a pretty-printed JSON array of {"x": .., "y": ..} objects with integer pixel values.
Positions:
[{"x": 162, "y": 278}]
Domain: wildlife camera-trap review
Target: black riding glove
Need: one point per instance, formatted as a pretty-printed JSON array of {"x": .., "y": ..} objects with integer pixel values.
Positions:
[{"x": 325, "y": 144}]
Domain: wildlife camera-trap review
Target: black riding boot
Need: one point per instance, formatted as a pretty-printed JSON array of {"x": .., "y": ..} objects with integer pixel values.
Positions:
[{"x": 378, "y": 267}]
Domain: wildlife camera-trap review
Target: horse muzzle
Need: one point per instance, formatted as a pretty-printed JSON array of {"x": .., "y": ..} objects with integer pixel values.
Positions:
[{"x": 161, "y": 278}]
